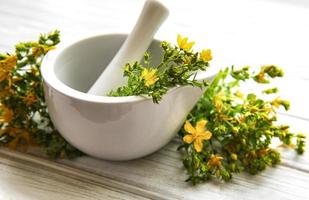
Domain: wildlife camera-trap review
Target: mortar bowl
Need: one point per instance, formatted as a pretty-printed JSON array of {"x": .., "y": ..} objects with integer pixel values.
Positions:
[{"x": 111, "y": 128}]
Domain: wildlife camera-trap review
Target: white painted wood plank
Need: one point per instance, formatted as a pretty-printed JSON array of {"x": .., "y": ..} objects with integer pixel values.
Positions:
[
  {"x": 164, "y": 175},
  {"x": 23, "y": 180},
  {"x": 161, "y": 176}
]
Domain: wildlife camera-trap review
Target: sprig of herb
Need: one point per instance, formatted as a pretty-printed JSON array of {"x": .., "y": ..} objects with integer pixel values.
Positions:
[
  {"x": 24, "y": 119},
  {"x": 178, "y": 67},
  {"x": 233, "y": 131}
]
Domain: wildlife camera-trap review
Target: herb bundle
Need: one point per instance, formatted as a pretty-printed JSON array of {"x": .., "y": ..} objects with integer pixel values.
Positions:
[
  {"x": 178, "y": 66},
  {"x": 24, "y": 119},
  {"x": 227, "y": 131}
]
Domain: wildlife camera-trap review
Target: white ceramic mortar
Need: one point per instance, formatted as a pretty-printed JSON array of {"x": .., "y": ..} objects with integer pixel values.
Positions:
[{"x": 113, "y": 128}]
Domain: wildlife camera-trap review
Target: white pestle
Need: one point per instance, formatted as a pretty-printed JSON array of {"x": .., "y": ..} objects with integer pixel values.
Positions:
[{"x": 152, "y": 16}]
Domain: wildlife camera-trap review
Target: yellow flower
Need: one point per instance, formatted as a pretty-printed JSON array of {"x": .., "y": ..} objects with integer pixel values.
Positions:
[
  {"x": 184, "y": 44},
  {"x": 150, "y": 77},
  {"x": 214, "y": 161},
  {"x": 206, "y": 55},
  {"x": 197, "y": 134}
]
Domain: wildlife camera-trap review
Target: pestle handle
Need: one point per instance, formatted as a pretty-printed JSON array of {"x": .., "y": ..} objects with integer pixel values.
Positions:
[{"x": 152, "y": 16}]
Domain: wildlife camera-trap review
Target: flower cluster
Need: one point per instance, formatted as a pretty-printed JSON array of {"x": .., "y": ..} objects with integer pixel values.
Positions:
[
  {"x": 178, "y": 66},
  {"x": 228, "y": 131},
  {"x": 24, "y": 119},
  {"x": 239, "y": 128}
]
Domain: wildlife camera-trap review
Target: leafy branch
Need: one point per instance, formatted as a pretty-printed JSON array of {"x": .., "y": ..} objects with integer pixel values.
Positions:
[{"x": 24, "y": 119}]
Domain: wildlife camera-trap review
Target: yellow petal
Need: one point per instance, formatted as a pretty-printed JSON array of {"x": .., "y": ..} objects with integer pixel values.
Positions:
[
  {"x": 188, "y": 139},
  {"x": 198, "y": 145},
  {"x": 144, "y": 72},
  {"x": 150, "y": 81},
  {"x": 189, "y": 128},
  {"x": 189, "y": 45},
  {"x": 200, "y": 126},
  {"x": 179, "y": 39},
  {"x": 205, "y": 135},
  {"x": 152, "y": 72},
  {"x": 184, "y": 41}
]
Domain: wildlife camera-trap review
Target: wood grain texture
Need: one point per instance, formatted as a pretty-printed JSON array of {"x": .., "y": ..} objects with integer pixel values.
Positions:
[
  {"x": 25, "y": 179},
  {"x": 239, "y": 32}
]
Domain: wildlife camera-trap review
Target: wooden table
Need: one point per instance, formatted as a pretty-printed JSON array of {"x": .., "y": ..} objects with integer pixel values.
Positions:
[{"x": 240, "y": 32}]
